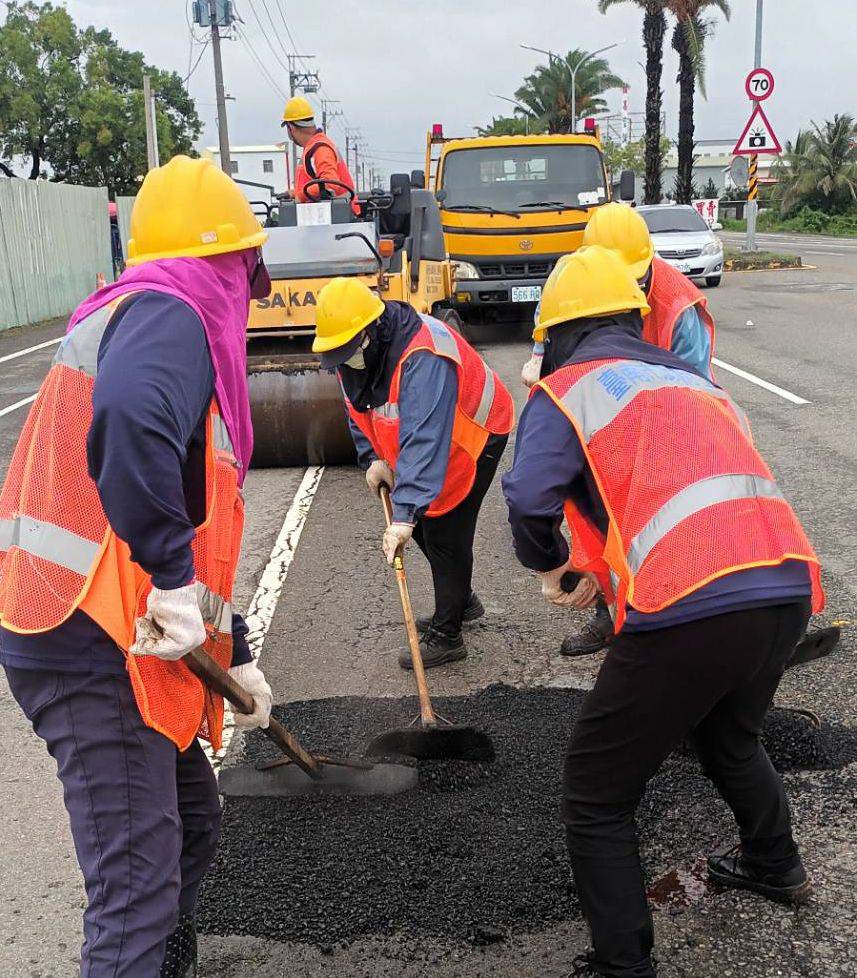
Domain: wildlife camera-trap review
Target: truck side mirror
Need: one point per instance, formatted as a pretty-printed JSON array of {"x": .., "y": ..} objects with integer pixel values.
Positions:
[
  {"x": 440, "y": 196},
  {"x": 418, "y": 179},
  {"x": 627, "y": 185}
]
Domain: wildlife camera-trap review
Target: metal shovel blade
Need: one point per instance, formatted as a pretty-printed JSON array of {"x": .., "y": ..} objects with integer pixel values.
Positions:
[
  {"x": 288, "y": 780},
  {"x": 448, "y": 742},
  {"x": 815, "y": 645}
]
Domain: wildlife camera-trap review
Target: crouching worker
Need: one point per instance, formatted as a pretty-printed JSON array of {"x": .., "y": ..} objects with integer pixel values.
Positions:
[
  {"x": 120, "y": 527},
  {"x": 676, "y": 518},
  {"x": 430, "y": 420}
]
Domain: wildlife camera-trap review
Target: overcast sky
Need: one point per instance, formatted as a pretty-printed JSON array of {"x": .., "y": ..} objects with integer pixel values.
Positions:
[{"x": 398, "y": 66}]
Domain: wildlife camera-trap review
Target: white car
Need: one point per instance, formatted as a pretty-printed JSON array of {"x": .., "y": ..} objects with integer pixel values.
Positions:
[{"x": 682, "y": 238}]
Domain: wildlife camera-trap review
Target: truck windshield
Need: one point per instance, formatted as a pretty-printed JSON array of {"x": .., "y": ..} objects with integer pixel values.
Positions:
[{"x": 513, "y": 177}]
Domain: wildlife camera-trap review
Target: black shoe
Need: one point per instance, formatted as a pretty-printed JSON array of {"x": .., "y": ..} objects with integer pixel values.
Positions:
[
  {"x": 473, "y": 611},
  {"x": 584, "y": 967},
  {"x": 180, "y": 956},
  {"x": 593, "y": 638},
  {"x": 729, "y": 869},
  {"x": 436, "y": 649}
]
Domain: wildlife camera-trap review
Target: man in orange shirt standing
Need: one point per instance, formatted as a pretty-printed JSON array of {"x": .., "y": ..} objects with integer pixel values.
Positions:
[{"x": 321, "y": 160}]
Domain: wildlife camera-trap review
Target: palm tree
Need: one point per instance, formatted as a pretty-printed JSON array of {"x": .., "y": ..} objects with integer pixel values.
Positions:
[
  {"x": 654, "y": 29},
  {"x": 547, "y": 92},
  {"x": 509, "y": 125},
  {"x": 688, "y": 40},
  {"x": 819, "y": 169}
]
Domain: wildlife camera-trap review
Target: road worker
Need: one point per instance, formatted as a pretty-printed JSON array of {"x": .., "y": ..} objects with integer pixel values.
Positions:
[
  {"x": 320, "y": 161},
  {"x": 120, "y": 525},
  {"x": 430, "y": 420},
  {"x": 679, "y": 321},
  {"x": 676, "y": 519}
]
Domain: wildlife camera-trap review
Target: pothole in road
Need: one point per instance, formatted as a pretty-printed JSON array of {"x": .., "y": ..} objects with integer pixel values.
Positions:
[{"x": 476, "y": 851}]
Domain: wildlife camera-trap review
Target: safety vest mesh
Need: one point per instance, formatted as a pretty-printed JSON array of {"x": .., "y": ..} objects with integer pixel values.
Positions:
[
  {"x": 305, "y": 170},
  {"x": 688, "y": 497},
  {"x": 59, "y": 554},
  {"x": 484, "y": 407},
  {"x": 670, "y": 294}
]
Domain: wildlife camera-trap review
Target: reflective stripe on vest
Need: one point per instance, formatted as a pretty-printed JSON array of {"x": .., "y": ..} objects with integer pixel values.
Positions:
[
  {"x": 50, "y": 542},
  {"x": 388, "y": 411},
  {"x": 79, "y": 349},
  {"x": 693, "y": 499},
  {"x": 214, "y": 608},
  {"x": 487, "y": 399},
  {"x": 600, "y": 396},
  {"x": 220, "y": 433},
  {"x": 444, "y": 341}
]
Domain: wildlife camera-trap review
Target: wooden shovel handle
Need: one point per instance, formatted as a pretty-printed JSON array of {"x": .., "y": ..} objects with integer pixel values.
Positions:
[
  {"x": 219, "y": 680},
  {"x": 426, "y": 709}
]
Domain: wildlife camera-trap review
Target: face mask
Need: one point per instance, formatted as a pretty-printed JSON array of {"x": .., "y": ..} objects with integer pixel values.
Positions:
[{"x": 357, "y": 361}]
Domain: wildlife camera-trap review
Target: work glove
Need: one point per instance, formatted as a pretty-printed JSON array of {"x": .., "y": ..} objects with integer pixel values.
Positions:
[
  {"x": 532, "y": 370},
  {"x": 250, "y": 677},
  {"x": 395, "y": 537},
  {"x": 581, "y": 597},
  {"x": 379, "y": 474},
  {"x": 172, "y": 625}
]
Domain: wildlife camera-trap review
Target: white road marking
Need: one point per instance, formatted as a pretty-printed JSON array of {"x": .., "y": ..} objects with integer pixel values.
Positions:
[
  {"x": 18, "y": 404},
  {"x": 31, "y": 349},
  {"x": 264, "y": 603},
  {"x": 835, "y": 254},
  {"x": 779, "y": 391}
]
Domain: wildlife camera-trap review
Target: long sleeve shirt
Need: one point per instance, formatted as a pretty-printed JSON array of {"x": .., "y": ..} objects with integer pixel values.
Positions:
[
  {"x": 428, "y": 393},
  {"x": 146, "y": 454},
  {"x": 550, "y": 467}
]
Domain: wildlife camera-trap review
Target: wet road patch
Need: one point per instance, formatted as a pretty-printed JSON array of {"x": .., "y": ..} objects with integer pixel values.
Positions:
[{"x": 476, "y": 851}]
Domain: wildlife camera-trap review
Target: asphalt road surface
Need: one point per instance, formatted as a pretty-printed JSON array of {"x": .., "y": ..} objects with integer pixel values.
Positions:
[{"x": 336, "y": 630}]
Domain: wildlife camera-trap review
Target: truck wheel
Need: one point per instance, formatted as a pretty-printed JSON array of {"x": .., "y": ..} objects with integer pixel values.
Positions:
[{"x": 451, "y": 318}]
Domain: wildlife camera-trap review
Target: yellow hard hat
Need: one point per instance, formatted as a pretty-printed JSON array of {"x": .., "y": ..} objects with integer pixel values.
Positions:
[
  {"x": 190, "y": 209},
  {"x": 592, "y": 282},
  {"x": 298, "y": 109},
  {"x": 621, "y": 229},
  {"x": 345, "y": 307}
]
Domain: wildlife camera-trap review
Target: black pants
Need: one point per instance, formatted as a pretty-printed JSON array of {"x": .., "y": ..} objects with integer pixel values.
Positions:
[
  {"x": 712, "y": 681},
  {"x": 447, "y": 542}
]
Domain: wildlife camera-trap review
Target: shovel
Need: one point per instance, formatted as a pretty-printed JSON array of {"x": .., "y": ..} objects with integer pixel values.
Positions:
[
  {"x": 430, "y": 736},
  {"x": 298, "y": 772}
]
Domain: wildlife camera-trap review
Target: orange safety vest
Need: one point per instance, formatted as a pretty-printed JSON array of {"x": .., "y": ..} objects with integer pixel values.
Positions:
[
  {"x": 670, "y": 294},
  {"x": 306, "y": 172},
  {"x": 484, "y": 407},
  {"x": 59, "y": 554},
  {"x": 688, "y": 498}
]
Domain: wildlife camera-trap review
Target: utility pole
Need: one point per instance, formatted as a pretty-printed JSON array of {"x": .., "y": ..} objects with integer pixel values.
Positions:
[
  {"x": 300, "y": 81},
  {"x": 753, "y": 187},
  {"x": 151, "y": 124},
  {"x": 328, "y": 114},
  {"x": 216, "y": 14}
]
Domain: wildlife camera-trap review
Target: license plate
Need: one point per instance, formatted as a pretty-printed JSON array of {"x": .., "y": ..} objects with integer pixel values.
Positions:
[
  {"x": 526, "y": 293},
  {"x": 683, "y": 267}
]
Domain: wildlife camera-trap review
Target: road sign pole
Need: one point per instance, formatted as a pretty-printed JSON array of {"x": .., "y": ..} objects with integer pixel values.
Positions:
[{"x": 752, "y": 196}]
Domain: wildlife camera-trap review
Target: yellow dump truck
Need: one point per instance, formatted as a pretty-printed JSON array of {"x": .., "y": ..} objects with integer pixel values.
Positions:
[{"x": 511, "y": 206}]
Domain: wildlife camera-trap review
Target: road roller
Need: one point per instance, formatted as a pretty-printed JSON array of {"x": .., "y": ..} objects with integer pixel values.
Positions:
[{"x": 390, "y": 239}]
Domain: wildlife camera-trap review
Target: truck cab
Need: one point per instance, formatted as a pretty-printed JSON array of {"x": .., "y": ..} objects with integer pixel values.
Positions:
[{"x": 510, "y": 207}]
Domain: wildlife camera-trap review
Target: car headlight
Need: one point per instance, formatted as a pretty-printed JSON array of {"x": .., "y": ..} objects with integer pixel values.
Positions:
[
  {"x": 712, "y": 248},
  {"x": 466, "y": 270}
]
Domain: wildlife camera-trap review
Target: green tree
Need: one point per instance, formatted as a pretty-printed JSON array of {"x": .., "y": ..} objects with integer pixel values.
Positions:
[
  {"x": 819, "y": 170},
  {"x": 654, "y": 30},
  {"x": 547, "y": 92},
  {"x": 688, "y": 40},
  {"x": 710, "y": 191},
  {"x": 632, "y": 156},
  {"x": 510, "y": 125},
  {"x": 71, "y": 100}
]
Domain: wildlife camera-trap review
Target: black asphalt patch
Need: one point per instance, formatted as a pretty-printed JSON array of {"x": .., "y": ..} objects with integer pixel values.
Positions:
[{"x": 476, "y": 851}]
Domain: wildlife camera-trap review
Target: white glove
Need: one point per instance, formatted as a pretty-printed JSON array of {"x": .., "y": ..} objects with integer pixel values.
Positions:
[
  {"x": 251, "y": 677},
  {"x": 172, "y": 625},
  {"x": 379, "y": 474},
  {"x": 532, "y": 370},
  {"x": 395, "y": 537},
  {"x": 581, "y": 597}
]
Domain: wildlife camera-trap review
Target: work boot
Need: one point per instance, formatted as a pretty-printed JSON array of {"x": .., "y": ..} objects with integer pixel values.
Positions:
[
  {"x": 584, "y": 966},
  {"x": 180, "y": 957},
  {"x": 594, "y": 637},
  {"x": 436, "y": 648},
  {"x": 472, "y": 611},
  {"x": 730, "y": 869}
]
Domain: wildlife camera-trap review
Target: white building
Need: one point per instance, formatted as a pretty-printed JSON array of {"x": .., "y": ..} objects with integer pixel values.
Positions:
[
  {"x": 712, "y": 158},
  {"x": 256, "y": 164}
]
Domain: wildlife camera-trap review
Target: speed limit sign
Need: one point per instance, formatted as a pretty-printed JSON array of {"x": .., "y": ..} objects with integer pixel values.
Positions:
[{"x": 759, "y": 84}]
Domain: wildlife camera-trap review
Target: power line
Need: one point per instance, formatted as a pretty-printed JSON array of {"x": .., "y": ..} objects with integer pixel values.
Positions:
[
  {"x": 265, "y": 36},
  {"x": 196, "y": 63},
  {"x": 259, "y": 63},
  {"x": 274, "y": 29}
]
